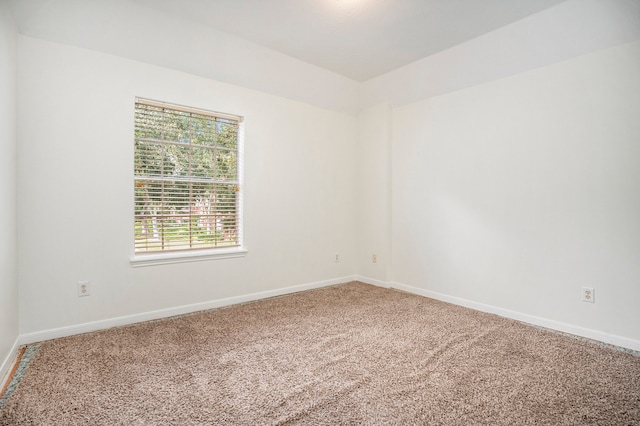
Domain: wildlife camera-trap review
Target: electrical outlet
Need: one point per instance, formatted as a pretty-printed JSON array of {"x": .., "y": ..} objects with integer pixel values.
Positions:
[
  {"x": 589, "y": 294},
  {"x": 374, "y": 258},
  {"x": 337, "y": 257},
  {"x": 84, "y": 288}
]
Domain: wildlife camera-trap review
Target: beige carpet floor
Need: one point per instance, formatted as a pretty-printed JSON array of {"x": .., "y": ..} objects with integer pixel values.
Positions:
[{"x": 349, "y": 354}]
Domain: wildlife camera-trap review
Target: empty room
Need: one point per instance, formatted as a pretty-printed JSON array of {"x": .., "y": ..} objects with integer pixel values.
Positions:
[{"x": 319, "y": 212}]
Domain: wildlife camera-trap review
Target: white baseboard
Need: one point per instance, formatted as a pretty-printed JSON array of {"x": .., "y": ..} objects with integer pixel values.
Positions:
[
  {"x": 372, "y": 281},
  {"x": 56, "y": 333},
  {"x": 623, "y": 342},
  {"x": 8, "y": 363}
]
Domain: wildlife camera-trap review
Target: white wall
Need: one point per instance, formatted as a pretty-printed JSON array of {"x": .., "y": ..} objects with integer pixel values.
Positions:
[
  {"x": 75, "y": 179},
  {"x": 373, "y": 199},
  {"x": 517, "y": 193},
  {"x": 8, "y": 212}
]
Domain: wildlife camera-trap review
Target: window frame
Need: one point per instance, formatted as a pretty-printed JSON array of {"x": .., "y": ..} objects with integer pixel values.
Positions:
[{"x": 150, "y": 258}]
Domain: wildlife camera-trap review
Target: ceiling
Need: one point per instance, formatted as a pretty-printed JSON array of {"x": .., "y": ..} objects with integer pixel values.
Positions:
[{"x": 358, "y": 39}]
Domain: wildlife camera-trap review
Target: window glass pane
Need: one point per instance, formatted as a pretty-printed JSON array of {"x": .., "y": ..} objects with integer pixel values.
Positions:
[
  {"x": 203, "y": 162},
  {"x": 176, "y": 232},
  {"x": 148, "y": 201},
  {"x": 177, "y": 161},
  {"x": 226, "y": 165},
  {"x": 227, "y": 134},
  {"x": 148, "y": 158},
  {"x": 177, "y": 126},
  {"x": 148, "y": 122},
  {"x": 176, "y": 199},
  {"x": 204, "y": 231},
  {"x": 204, "y": 131},
  {"x": 148, "y": 196}
]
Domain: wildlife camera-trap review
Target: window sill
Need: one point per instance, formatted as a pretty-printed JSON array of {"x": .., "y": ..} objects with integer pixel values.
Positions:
[{"x": 139, "y": 260}]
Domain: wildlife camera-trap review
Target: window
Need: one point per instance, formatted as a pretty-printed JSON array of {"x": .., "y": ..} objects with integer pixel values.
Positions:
[{"x": 186, "y": 179}]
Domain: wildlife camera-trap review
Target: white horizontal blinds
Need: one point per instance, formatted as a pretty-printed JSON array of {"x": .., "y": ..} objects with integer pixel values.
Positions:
[{"x": 186, "y": 178}]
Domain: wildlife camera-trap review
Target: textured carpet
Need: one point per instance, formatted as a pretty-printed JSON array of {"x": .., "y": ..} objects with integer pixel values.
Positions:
[{"x": 349, "y": 354}]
